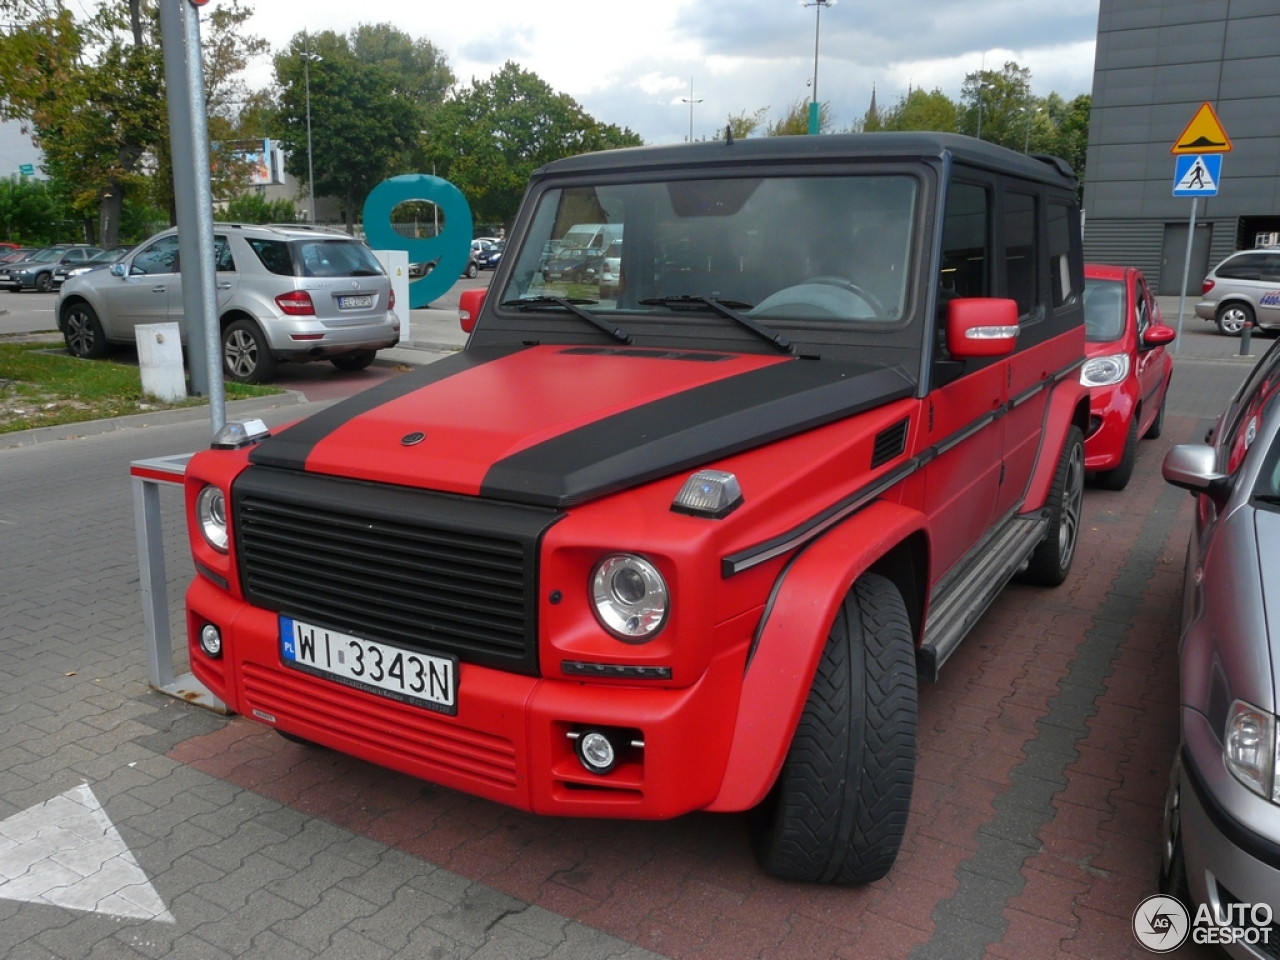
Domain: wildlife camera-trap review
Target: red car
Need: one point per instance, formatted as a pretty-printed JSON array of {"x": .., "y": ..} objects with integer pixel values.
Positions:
[{"x": 1127, "y": 371}]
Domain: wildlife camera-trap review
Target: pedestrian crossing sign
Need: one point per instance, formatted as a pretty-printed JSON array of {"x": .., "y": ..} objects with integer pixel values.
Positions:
[{"x": 1197, "y": 175}]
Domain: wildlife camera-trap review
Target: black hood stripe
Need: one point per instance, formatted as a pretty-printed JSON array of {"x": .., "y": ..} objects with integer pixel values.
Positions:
[
  {"x": 691, "y": 428},
  {"x": 291, "y": 448}
]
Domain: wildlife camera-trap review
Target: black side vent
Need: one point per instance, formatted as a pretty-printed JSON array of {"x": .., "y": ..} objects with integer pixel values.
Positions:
[{"x": 890, "y": 443}]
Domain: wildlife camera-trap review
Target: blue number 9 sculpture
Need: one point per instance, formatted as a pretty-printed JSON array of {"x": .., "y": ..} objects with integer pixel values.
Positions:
[{"x": 450, "y": 249}]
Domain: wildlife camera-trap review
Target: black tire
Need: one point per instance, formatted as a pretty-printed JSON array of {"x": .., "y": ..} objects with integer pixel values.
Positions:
[
  {"x": 1231, "y": 317},
  {"x": 1172, "y": 879},
  {"x": 354, "y": 361},
  {"x": 82, "y": 332},
  {"x": 1157, "y": 425},
  {"x": 1051, "y": 561},
  {"x": 44, "y": 282},
  {"x": 839, "y": 809},
  {"x": 246, "y": 356},
  {"x": 1117, "y": 478},
  {"x": 472, "y": 270}
]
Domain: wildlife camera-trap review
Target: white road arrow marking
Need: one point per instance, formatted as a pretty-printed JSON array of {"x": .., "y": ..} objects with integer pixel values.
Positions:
[{"x": 66, "y": 852}]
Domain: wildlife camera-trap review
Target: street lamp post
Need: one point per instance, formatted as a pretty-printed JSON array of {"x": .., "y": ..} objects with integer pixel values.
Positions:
[
  {"x": 690, "y": 101},
  {"x": 814, "y": 109},
  {"x": 307, "y": 57}
]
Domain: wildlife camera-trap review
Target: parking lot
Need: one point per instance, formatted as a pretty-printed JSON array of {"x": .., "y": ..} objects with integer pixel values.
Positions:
[{"x": 1043, "y": 759}]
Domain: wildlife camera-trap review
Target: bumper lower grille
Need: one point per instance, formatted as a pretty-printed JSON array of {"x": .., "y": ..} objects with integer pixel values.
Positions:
[{"x": 417, "y": 569}]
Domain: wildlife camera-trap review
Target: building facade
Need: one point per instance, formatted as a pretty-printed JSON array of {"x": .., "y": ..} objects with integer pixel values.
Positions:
[{"x": 1157, "y": 62}]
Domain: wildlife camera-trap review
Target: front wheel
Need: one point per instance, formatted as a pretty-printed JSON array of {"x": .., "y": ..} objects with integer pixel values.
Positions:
[
  {"x": 246, "y": 356},
  {"x": 1051, "y": 561},
  {"x": 82, "y": 332},
  {"x": 839, "y": 809},
  {"x": 1232, "y": 317},
  {"x": 44, "y": 282},
  {"x": 472, "y": 270}
]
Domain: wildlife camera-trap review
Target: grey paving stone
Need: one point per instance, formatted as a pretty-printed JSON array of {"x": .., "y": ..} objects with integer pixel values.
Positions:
[
  {"x": 260, "y": 911},
  {"x": 481, "y": 907}
]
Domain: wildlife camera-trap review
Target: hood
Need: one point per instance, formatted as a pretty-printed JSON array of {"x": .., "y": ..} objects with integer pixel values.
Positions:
[{"x": 558, "y": 425}]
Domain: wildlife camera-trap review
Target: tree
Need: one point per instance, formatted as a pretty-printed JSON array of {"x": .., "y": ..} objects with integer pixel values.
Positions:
[
  {"x": 795, "y": 121},
  {"x": 742, "y": 125},
  {"x": 91, "y": 90},
  {"x": 488, "y": 138},
  {"x": 417, "y": 69},
  {"x": 33, "y": 211},
  {"x": 996, "y": 105},
  {"x": 921, "y": 111},
  {"x": 365, "y": 117},
  {"x": 254, "y": 208}
]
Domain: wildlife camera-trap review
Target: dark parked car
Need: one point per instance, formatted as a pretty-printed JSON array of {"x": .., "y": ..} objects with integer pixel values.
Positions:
[
  {"x": 36, "y": 272},
  {"x": 96, "y": 262},
  {"x": 575, "y": 265},
  {"x": 1222, "y": 812},
  {"x": 493, "y": 256},
  {"x": 420, "y": 270}
]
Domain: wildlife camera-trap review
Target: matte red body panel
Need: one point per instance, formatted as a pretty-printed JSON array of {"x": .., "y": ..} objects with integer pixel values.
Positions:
[
  {"x": 487, "y": 413},
  {"x": 795, "y": 631}
]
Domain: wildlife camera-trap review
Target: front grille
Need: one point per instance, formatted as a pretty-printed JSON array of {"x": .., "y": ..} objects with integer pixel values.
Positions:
[
  {"x": 1268, "y": 943},
  {"x": 417, "y": 569}
]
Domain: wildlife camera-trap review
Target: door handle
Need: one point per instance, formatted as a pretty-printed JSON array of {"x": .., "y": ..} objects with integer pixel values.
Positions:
[
  {"x": 159, "y": 289},
  {"x": 224, "y": 286}
]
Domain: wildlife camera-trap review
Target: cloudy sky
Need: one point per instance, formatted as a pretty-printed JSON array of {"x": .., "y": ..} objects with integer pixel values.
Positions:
[{"x": 630, "y": 62}]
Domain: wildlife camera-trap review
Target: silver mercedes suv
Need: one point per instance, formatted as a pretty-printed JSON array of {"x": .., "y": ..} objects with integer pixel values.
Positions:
[
  {"x": 1244, "y": 288},
  {"x": 285, "y": 293}
]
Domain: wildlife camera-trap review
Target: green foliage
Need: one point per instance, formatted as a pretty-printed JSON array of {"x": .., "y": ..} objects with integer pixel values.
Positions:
[
  {"x": 996, "y": 105},
  {"x": 743, "y": 125},
  {"x": 35, "y": 212},
  {"x": 418, "y": 71},
  {"x": 254, "y": 208},
  {"x": 795, "y": 121},
  {"x": 488, "y": 138},
  {"x": 363, "y": 121},
  {"x": 921, "y": 111}
]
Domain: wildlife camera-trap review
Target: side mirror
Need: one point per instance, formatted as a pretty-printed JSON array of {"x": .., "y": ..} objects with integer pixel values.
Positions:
[
  {"x": 469, "y": 306},
  {"x": 1158, "y": 335},
  {"x": 981, "y": 327},
  {"x": 1194, "y": 467},
  {"x": 118, "y": 270}
]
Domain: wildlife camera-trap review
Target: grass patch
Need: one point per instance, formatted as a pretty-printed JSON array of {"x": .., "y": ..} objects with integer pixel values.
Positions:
[{"x": 40, "y": 387}]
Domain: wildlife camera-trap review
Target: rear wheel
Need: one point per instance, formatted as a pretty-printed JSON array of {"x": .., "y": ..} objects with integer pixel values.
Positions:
[
  {"x": 82, "y": 332},
  {"x": 1233, "y": 316},
  {"x": 839, "y": 809},
  {"x": 1157, "y": 425},
  {"x": 1051, "y": 561},
  {"x": 246, "y": 357},
  {"x": 1118, "y": 477},
  {"x": 354, "y": 361}
]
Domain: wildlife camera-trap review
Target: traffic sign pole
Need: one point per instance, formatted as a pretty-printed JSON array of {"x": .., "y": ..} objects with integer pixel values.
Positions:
[{"x": 1186, "y": 274}]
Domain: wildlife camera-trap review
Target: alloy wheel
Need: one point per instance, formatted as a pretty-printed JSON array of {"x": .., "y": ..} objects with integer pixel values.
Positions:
[
  {"x": 1072, "y": 503},
  {"x": 240, "y": 351},
  {"x": 79, "y": 333}
]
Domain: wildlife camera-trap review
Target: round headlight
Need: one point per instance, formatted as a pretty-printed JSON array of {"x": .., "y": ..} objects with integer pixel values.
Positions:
[
  {"x": 211, "y": 514},
  {"x": 630, "y": 597},
  {"x": 1104, "y": 371}
]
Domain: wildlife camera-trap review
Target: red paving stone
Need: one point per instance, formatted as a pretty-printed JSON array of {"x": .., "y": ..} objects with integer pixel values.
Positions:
[{"x": 690, "y": 888}]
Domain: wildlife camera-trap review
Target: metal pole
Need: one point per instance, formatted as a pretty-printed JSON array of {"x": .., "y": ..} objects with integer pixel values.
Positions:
[
  {"x": 306, "y": 73},
  {"x": 689, "y": 100},
  {"x": 193, "y": 194},
  {"x": 1186, "y": 274}
]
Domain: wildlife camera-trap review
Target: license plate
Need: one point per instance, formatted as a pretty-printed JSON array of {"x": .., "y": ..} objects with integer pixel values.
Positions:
[
  {"x": 406, "y": 675},
  {"x": 355, "y": 303}
]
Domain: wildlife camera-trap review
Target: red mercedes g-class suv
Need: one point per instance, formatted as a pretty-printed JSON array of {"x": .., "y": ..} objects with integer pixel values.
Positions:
[{"x": 687, "y": 547}]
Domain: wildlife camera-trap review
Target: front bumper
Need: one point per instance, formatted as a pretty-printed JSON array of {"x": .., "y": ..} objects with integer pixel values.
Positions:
[
  {"x": 1228, "y": 859},
  {"x": 1111, "y": 408},
  {"x": 509, "y": 740}
]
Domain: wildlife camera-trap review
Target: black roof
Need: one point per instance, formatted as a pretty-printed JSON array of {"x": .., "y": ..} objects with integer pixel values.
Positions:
[{"x": 820, "y": 149}]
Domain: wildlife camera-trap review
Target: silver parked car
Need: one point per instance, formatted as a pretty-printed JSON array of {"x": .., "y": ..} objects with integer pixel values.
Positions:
[
  {"x": 1244, "y": 288},
  {"x": 1222, "y": 814},
  {"x": 285, "y": 293}
]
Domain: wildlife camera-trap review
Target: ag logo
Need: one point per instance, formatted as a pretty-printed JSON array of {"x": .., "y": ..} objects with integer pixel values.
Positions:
[{"x": 1161, "y": 924}]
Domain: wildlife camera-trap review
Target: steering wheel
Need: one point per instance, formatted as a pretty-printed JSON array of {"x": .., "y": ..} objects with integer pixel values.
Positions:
[{"x": 853, "y": 288}]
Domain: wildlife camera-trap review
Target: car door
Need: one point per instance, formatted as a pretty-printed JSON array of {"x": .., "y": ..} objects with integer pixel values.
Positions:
[
  {"x": 1269, "y": 298},
  {"x": 226, "y": 280},
  {"x": 1150, "y": 362},
  {"x": 142, "y": 295},
  {"x": 960, "y": 482}
]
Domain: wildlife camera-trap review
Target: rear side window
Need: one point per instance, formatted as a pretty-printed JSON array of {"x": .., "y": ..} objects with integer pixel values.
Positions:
[
  {"x": 1060, "y": 255},
  {"x": 274, "y": 255},
  {"x": 336, "y": 258},
  {"x": 965, "y": 244},
  {"x": 1248, "y": 267}
]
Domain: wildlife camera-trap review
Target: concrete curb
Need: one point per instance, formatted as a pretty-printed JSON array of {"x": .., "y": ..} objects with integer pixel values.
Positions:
[{"x": 160, "y": 418}]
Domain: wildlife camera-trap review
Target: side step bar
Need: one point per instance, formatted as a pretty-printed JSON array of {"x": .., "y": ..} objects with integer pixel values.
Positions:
[{"x": 954, "y": 610}]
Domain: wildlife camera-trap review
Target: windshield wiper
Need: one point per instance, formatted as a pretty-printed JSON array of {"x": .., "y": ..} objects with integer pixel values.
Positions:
[
  {"x": 726, "y": 309},
  {"x": 571, "y": 304}
]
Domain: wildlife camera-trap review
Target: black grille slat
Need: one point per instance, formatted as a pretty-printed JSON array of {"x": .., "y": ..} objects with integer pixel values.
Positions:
[
  {"x": 442, "y": 573},
  {"x": 890, "y": 442}
]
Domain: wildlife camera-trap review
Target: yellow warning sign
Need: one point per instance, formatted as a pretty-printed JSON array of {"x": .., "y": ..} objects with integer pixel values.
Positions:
[{"x": 1204, "y": 134}]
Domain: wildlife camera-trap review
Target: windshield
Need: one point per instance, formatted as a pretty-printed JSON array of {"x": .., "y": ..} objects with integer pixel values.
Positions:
[
  {"x": 109, "y": 256},
  {"x": 831, "y": 250},
  {"x": 49, "y": 254},
  {"x": 1104, "y": 303}
]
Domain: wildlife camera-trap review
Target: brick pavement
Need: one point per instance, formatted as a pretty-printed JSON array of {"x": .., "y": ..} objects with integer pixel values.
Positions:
[{"x": 1043, "y": 755}]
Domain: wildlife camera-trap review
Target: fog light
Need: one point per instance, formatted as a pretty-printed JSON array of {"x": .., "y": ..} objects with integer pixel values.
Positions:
[
  {"x": 211, "y": 640},
  {"x": 595, "y": 752}
]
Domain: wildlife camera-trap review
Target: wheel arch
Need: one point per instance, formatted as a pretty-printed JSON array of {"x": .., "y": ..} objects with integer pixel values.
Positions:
[
  {"x": 885, "y": 538},
  {"x": 1068, "y": 406}
]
